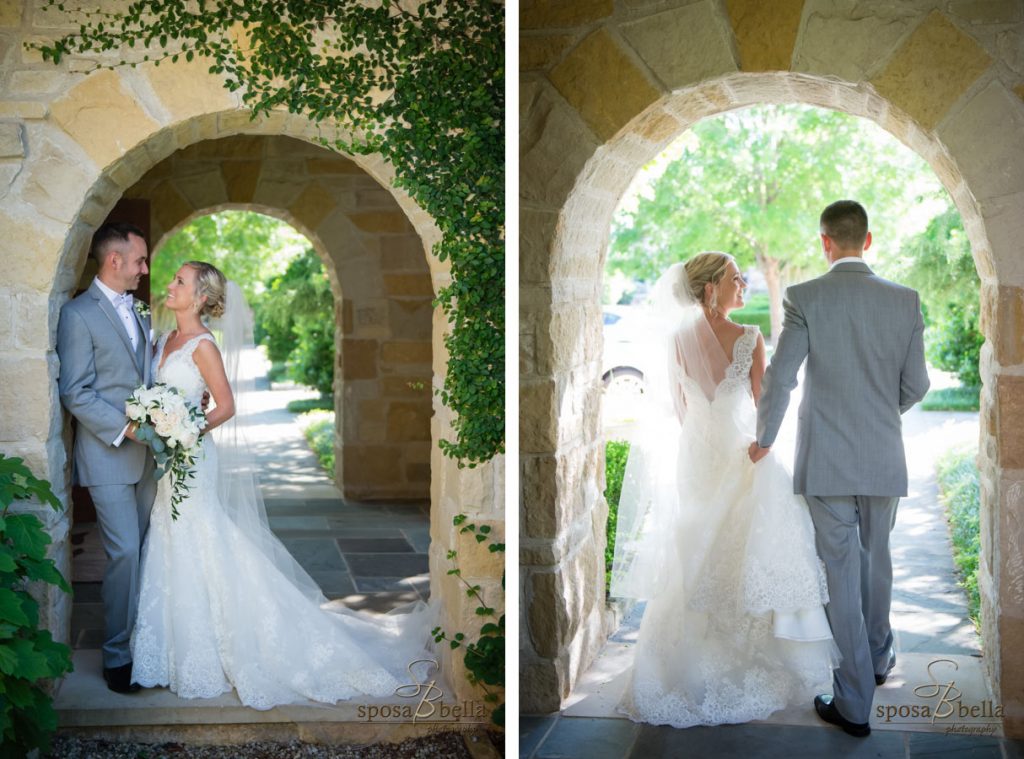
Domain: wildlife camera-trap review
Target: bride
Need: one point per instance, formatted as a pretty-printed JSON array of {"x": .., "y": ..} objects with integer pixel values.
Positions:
[
  {"x": 222, "y": 604},
  {"x": 722, "y": 551}
]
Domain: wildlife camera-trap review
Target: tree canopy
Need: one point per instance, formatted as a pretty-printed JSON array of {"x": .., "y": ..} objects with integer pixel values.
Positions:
[
  {"x": 422, "y": 85},
  {"x": 753, "y": 183}
]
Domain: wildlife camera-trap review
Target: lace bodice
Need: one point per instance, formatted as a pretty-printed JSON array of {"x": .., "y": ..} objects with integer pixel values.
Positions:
[
  {"x": 737, "y": 375},
  {"x": 180, "y": 370}
]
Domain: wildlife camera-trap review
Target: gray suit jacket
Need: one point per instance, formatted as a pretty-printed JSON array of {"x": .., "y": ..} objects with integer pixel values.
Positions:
[
  {"x": 99, "y": 369},
  {"x": 862, "y": 337}
]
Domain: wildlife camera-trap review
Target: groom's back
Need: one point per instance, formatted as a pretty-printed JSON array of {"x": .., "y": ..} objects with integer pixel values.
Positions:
[{"x": 859, "y": 330}]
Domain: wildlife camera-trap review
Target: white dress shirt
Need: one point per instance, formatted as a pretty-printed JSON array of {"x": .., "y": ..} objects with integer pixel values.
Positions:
[
  {"x": 847, "y": 259},
  {"x": 131, "y": 326}
]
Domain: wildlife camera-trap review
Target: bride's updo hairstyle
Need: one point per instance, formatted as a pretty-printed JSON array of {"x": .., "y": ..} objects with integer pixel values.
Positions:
[
  {"x": 701, "y": 270},
  {"x": 211, "y": 283}
]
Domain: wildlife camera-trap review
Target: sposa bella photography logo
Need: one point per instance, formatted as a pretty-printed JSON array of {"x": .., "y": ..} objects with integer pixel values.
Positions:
[
  {"x": 426, "y": 702},
  {"x": 941, "y": 703}
]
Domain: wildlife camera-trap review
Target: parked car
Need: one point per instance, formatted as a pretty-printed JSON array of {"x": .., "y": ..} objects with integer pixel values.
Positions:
[{"x": 626, "y": 356}]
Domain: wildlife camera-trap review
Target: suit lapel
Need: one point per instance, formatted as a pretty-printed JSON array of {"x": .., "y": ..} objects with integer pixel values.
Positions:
[
  {"x": 111, "y": 313},
  {"x": 146, "y": 352}
]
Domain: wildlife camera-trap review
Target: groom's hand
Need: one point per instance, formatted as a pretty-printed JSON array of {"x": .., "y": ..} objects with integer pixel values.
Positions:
[{"x": 756, "y": 452}]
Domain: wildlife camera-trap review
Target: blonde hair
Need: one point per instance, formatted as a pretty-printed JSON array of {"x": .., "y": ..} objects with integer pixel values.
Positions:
[
  {"x": 706, "y": 268},
  {"x": 212, "y": 285}
]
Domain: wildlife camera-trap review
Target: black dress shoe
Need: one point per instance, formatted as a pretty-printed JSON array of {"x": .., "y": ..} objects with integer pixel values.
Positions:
[
  {"x": 119, "y": 679},
  {"x": 880, "y": 679},
  {"x": 827, "y": 711}
]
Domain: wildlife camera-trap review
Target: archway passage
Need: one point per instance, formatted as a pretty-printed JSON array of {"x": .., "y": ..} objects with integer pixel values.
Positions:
[{"x": 605, "y": 90}]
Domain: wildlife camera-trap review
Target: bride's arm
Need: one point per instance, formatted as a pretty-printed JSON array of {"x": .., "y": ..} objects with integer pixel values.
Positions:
[
  {"x": 757, "y": 368},
  {"x": 208, "y": 359}
]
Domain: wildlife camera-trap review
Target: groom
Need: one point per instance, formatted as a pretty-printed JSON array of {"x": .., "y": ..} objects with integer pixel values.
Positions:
[
  {"x": 862, "y": 338},
  {"x": 105, "y": 354}
]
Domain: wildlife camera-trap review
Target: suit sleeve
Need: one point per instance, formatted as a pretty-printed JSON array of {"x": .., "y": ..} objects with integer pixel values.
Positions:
[
  {"x": 780, "y": 377},
  {"x": 77, "y": 377},
  {"x": 914, "y": 381}
]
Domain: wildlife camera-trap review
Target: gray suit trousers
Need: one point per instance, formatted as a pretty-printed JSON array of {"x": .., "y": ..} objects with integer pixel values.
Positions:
[
  {"x": 852, "y": 536},
  {"x": 123, "y": 515}
]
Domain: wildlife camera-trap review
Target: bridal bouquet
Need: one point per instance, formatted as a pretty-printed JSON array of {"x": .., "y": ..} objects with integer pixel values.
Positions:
[{"x": 170, "y": 427}]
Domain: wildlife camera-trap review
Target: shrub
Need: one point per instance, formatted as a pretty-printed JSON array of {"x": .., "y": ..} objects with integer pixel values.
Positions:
[
  {"x": 953, "y": 399},
  {"x": 318, "y": 427},
  {"x": 756, "y": 311},
  {"x": 29, "y": 657},
  {"x": 960, "y": 493},
  {"x": 616, "y": 452}
]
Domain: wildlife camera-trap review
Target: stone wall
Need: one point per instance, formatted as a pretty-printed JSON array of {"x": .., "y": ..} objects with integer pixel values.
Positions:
[
  {"x": 605, "y": 86},
  {"x": 72, "y": 143}
]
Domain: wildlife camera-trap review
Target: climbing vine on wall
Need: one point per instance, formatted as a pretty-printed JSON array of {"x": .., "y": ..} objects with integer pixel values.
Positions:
[{"x": 421, "y": 84}]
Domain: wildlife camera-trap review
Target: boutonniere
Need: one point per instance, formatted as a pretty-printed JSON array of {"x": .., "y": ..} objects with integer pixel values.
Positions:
[{"x": 142, "y": 309}]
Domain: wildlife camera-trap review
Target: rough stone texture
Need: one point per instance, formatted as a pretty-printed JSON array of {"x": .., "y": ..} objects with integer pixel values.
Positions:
[
  {"x": 29, "y": 254},
  {"x": 546, "y": 14},
  {"x": 765, "y": 32},
  {"x": 1002, "y": 222},
  {"x": 1010, "y": 399},
  {"x": 35, "y": 82},
  {"x": 187, "y": 89},
  {"x": 684, "y": 45},
  {"x": 955, "y": 61},
  {"x": 22, "y": 109},
  {"x": 867, "y": 38},
  {"x": 11, "y": 144},
  {"x": 987, "y": 11},
  {"x": 10, "y": 13},
  {"x": 55, "y": 185},
  {"x": 601, "y": 81},
  {"x": 995, "y": 166},
  {"x": 541, "y": 52},
  {"x": 103, "y": 117},
  {"x": 1009, "y": 344}
]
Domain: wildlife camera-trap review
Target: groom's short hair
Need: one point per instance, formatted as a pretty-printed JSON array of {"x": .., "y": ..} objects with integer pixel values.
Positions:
[
  {"x": 109, "y": 234},
  {"x": 846, "y": 222}
]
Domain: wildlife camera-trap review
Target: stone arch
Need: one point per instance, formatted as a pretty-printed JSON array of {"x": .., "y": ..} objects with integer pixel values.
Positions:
[
  {"x": 71, "y": 145},
  {"x": 603, "y": 92}
]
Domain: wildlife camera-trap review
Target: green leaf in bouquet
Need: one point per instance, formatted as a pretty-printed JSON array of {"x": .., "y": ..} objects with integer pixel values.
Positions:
[{"x": 158, "y": 445}]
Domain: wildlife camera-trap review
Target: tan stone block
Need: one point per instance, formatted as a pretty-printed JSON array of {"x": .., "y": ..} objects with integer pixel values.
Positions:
[
  {"x": 1010, "y": 415},
  {"x": 36, "y": 82},
  {"x": 1009, "y": 339},
  {"x": 406, "y": 352},
  {"x": 11, "y": 141},
  {"x": 380, "y": 221},
  {"x": 601, "y": 81},
  {"x": 28, "y": 110},
  {"x": 1019, "y": 89},
  {"x": 475, "y": 558},
  {"x": 313, "y": 205},
  {"x": 656, "y": 127},
  {"x": 32, "y": 317},
  {"x": 546, "y": 14},
  {"x": 202, "y": 189},
  {"x": 403, "y": 253},
  {"x": 554, "y": 146},
  {"x": 683, "y": 45},
  {"x": 765, "y": 32},
  {"x": 976, "y": 136},
  {"x": 55, "y": 185},
  {"x": 927, "y": 92},
  {"x": 541, "y": 686},
  {"x": 332, "y": 165},
  {"x": 866, "y": 38},
  {"x": 359, "y": 359},
  {"x": 25, "y": 398},
  {"x": 6, "y": 319},
  {"x": 103, "y": 117},
  {"x": 410, "y": 319},
  {"x": 541, "y": 52},
  {"x": 408, "y": 284},
  {"x": 417, "y": 473},
  {"x": 987, "y": 11},
  {"x": 365, "y": 465},
  {"x": 408, "y": 421},
  {"x": 373, "y": 409},
  {"x": 538, "y": 421},
  {"x": 11, "y": 12},
  {"x": 540, "y": 488},
  {"x": 188, "y": 89},
  {"x": 346, "y": 317},
  {"x": 29, "y": 255},
  {"x": 240, "y": 179},
  {"x": 406, "y": 386},
  {"x": 168, "y": 206}
]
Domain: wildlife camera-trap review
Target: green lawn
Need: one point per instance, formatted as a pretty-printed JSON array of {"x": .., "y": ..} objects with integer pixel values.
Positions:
[{"x": 952, "y": 399}]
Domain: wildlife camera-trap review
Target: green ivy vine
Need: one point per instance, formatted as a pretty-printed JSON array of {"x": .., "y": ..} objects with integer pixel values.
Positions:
[{"x": 422, "y": 87}]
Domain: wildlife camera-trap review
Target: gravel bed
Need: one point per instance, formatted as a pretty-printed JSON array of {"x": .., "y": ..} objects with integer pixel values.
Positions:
[{"x": 446, "y": 745}]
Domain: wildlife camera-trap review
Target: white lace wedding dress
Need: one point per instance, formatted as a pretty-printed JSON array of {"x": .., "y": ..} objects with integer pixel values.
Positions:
[
  {"x": 215, "y": 614},
  {"x": 735, "y": 629}
]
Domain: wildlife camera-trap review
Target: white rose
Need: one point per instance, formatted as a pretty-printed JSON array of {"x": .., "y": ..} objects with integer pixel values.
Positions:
[
  {"x": 164, "y": 426},
  {"x": 135, "y": 412},
  {"x": 189, "y": 440}
]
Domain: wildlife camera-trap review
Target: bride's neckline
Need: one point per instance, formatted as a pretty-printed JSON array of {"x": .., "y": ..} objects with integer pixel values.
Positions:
[
  {"x": 167, "y": 338},
  {"x": 730, "y": 357}
]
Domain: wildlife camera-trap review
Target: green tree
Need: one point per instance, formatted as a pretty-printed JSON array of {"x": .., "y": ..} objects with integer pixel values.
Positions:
[
  {"x": 938, "y": 263},
  {"x": 753, "y": 183},
  {"x": 423, "y": 87},
  {"x": 295, "y": 315}
]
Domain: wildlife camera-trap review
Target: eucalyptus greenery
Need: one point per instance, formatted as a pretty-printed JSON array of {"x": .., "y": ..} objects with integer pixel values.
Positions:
[
  {"x": 420, "y": 84},
  {"x": 29, "y": 657}
]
